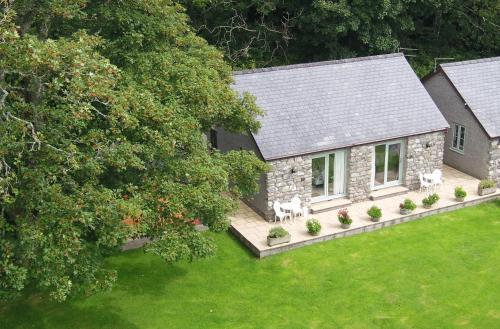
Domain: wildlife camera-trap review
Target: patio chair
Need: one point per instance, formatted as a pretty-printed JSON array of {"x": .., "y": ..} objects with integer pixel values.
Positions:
[
  {"x": 297, "y": 209},
  {"x": 423, "y": 183},
  {"x": 437, "y": 178},
  {"x": 305, "y": 212},
  {"x": 280, "y": 214}
]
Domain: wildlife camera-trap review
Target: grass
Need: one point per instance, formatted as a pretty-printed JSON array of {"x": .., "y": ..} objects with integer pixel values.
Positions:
[{"x": 439, "y": 272}]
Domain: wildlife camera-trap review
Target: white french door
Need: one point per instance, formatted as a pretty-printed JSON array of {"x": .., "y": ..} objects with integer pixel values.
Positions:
[
  {"x": 328, "y": 176},
  {"x": 387, "y": 168}
]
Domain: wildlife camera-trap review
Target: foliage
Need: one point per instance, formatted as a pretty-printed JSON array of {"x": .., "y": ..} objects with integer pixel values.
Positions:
[
  {"x": 460, "y": 192},
  {"x": 313, "y": 226},
  {"x": 430, "y": 200},
  {"x": 487, "y": 183},
  {"x": 374, "y": 212},
  {"x": 101, "y": 131},
  {"x": 272, "y": 32},
  {"x": 344, "y": 217},
  {"x": 277, "y": 232},
  {"x": 408, "y": 204}
]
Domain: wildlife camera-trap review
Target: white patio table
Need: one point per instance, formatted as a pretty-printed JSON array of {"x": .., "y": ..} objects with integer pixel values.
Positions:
[{"x": 287, "y": 207}]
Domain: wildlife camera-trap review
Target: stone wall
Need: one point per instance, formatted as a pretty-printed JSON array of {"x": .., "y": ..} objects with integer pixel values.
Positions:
[
  {"x": 283, "y": 184},
  {"x": 359, "y": 172},
  {"x": 424, "y": 153},
  {"x": 494, "y": 161}
]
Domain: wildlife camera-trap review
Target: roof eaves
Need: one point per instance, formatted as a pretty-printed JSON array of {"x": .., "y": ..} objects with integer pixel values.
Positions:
[
  {"x": 291, "y": 155},
  {"x": 472, "y": 61},
  {"x": 314, "y": 64}
]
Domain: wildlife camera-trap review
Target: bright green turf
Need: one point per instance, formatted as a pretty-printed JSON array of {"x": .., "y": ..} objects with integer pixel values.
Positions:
[{"x": 439, "y": 272}]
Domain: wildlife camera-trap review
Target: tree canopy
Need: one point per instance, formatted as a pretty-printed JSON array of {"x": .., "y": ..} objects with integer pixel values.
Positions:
[
  {"x": 103, "y": 110},
  {"x": 255, "y": 33}
]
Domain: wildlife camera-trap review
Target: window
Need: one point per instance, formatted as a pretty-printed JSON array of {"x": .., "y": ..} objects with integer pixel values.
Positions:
[
  {"x": 213, "y": 138},
  {"x": 458, "y": 138}
]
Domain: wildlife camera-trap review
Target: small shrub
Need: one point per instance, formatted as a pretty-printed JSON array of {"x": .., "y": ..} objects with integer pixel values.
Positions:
[
  {"x": 408, "y": 204},
  {"x": 277, "y": 232},
  {"x": 460, "y": 192},
  {"x": 430, "y": 200},
  {"x": 343, "y": 216},
  {"x": 313, "y": 226},
  {"x": 374, "y": 212},
  {"x": 487, "y": 183}
]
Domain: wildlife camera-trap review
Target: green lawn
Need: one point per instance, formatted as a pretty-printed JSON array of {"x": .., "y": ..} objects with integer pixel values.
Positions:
[{"x": 439, "y": 272}]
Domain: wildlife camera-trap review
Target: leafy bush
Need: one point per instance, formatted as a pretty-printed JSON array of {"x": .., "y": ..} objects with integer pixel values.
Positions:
[
  {"x": 277, "y": 232},
  {"x": 374, "y": 212},
  {"x": 430, "y": 200},
  {"x": 313, "y": 226},
  {"x": 343, "y": 216},
  {"x": 460, "y": 192},
  {"x": 408, "y": 204},
  {"x": 487, "y": 183}
]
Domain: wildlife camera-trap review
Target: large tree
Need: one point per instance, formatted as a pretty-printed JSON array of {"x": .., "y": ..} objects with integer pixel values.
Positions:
[
  {"x": 103, "y": 109},
  {"x": 272, "y": 32}
]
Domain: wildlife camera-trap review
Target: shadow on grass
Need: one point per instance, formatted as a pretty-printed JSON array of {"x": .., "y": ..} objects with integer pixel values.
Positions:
[{"x": 37, "y": 312}]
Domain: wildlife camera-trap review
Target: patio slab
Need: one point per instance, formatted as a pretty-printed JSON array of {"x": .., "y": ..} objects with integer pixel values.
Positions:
[{"x": 252, "y": 229}]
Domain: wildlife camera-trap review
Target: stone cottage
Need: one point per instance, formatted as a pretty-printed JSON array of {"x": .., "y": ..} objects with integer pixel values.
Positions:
[
  {"x": 468, "y": 95},
  {"x": 341, "y": 131}
]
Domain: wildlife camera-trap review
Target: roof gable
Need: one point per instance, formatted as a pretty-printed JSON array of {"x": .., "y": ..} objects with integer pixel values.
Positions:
[
  {"x": 322, "y": 106},
  {"x": 478, "y": 83}
]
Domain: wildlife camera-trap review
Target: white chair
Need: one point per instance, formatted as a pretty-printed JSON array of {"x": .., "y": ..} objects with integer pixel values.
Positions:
[
  {"x": 305, "y": 212},
  {"x": 296, "y": 208},
  {"x": 437, "y": 178},
  {"x": 278, "y": 213},
  {"x": 423, "y": 183}
]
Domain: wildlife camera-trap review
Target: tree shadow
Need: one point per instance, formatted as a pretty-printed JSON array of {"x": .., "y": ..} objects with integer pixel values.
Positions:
[{"x": 37, "y": 312}]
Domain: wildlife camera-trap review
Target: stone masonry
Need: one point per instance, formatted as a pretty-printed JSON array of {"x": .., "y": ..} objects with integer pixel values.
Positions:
[
  {"x": 359, "y": 172},
  {"x": 424, "y": 153},
  {"x": 287, "y": 178},
  {"x": 494, "y": 161}
]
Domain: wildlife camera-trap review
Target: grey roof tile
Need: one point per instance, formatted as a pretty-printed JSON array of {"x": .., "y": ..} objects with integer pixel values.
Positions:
[
  {"x": 478, "y": 82},
  {"x": 326, "y": 105}
]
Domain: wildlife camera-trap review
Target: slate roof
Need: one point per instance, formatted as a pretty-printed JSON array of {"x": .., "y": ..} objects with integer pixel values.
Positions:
[
  {"x": 478, "y": 82},
  {"x": 327, "y": 105}
]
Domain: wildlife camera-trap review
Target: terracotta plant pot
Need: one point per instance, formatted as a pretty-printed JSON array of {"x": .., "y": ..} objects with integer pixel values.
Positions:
[
  {"x": 274, "y": 241},
  {"x": 460, "y": 199}
]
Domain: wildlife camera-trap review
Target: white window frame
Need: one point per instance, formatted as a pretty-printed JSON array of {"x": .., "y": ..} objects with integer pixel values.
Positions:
[
  {"x": 402, "y": 157},
  {"x": 340, "y": 172},
  {"x": 457, "y": 142}
]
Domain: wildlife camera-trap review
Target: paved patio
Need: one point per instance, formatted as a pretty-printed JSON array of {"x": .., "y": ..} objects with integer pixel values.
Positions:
[{"x": 252, "y": 229}]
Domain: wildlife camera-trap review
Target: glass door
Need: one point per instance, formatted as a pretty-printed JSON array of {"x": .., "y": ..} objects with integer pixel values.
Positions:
[
  {"x": 388, "y": 164},
  {"x": 328, "y": 176}
]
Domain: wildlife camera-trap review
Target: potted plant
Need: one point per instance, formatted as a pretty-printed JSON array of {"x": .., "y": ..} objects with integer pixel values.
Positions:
[
  {"x": 460, "y": 193},
  {"x": 430, "y": 200},
  {"x": 344, "y": 218},
  {"x": 313, "y": 226},
  {"x": 406, "y": 207},
  {"x": 375, "y": 213},
  {"x": 277, "y": 235},
  {"x": 486, "y": 186}
]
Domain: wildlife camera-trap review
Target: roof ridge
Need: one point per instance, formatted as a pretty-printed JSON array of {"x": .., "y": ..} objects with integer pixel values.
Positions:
[
  {"x": 471, "y": 61},
  {"x": 313, "y": 64}
]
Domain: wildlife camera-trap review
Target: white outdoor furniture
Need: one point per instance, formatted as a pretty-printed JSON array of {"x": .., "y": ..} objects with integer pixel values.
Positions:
[
  {"x": 305, "y": 212},
  {"x": 296, "y": 206},
  {"x": 437, "y": 178},
  {"x": 278, "y": 213},
  {"x": 424, "y": 182}
]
